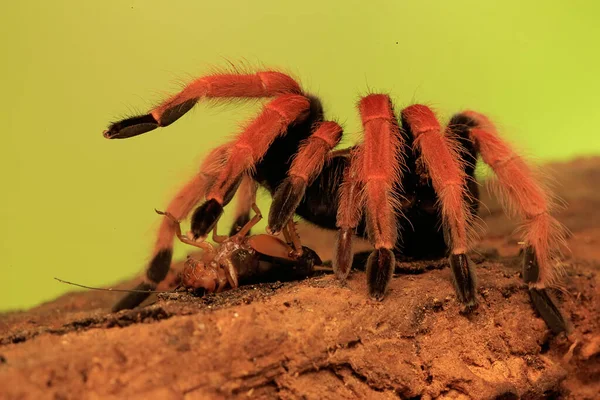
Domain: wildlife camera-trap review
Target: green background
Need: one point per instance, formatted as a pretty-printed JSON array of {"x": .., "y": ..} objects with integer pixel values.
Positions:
[{"x": 80, "y": 207}]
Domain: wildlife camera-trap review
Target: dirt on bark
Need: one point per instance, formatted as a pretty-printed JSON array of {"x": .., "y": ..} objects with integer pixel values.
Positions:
[{"x": 319, "y": 339}]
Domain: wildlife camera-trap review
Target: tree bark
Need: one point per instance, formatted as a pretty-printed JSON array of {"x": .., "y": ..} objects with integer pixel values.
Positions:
[{"x": 318, "y": 339}]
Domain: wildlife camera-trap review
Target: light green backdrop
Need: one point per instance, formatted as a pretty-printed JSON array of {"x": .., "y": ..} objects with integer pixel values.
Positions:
[{"x": 80, "y": 207}]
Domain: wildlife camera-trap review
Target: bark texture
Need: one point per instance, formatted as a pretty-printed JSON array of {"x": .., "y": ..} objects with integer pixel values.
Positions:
[{"x": 317, "y": 339}]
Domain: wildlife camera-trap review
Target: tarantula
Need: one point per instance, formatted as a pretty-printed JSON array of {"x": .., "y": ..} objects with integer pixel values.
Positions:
[{"x": 409, "y": 177}]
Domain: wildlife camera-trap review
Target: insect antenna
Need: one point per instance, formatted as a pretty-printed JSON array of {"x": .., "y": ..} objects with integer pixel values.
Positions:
[{"x": 117, "y": 290}]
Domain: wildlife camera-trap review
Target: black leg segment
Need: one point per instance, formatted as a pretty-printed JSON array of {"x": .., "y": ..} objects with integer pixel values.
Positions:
[
  {"x": 380, "y": 268},
  {"x": 540, "y": 298},
  {"x": 463, "y": 276},
  {"x": 343, "y": 262},
  {"x": 286, "y": 199},
  {"x": 205, "y": 217},
  {"x": 131, "y": 127}
]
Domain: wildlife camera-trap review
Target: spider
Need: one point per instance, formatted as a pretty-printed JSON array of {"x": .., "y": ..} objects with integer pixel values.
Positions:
[{"x": 408, "y": 188}]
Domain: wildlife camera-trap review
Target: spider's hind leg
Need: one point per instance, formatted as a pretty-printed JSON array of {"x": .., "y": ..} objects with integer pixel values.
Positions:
[
  {"x": 523, "y": 194},
  {"x": 216, "y": 86}
]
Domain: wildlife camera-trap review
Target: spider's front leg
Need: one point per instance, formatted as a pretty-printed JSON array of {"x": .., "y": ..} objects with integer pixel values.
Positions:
[
  {"x": 218, "y": 175},
  {"x": 216, "y": 86}
]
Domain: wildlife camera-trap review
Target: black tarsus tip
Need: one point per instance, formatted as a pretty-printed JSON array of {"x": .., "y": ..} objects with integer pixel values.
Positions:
[
  {"x": 285, "y": 202},
  {"x": 463, "y": 276},
  {"x": 342, "y": 260},
  {"x": 131, "y": 127},
  {"x": 541, "y": 300},
  {"x": 380, "y": 268},
  {"x": 205, "y": 217},
  {"x": 139, "y": 124},
  {"x": 547, "y": 309},
  {"x": 134, "y": 299}
]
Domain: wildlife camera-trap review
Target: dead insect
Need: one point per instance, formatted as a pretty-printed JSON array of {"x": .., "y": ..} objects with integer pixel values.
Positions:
[{"x": 237, "y": 260}]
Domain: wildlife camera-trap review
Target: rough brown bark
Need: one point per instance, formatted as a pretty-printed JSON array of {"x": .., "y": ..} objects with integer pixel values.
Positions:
[{"x": 317, "y": 339}]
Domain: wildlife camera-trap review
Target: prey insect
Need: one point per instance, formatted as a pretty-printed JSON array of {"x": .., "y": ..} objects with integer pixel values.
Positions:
[{"x": 238, "y": 259}]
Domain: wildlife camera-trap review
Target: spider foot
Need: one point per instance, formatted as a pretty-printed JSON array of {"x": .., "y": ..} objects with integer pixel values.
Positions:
[
  {"x": 342, "y": 262},
  {"x": 463, "y": 277},
  {"x": 468, "y": 308},
  {"x": 547, "y": 309},
  {"x": 205, "y": 218},
  {"x": 131, "y": 127},
  {"x": 543, "y": 303},
  {"x": 380, "y": 268}
]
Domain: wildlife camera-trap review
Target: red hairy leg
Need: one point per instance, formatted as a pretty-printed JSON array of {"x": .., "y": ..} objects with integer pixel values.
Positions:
[
  {"x": 251, "y": 145},
  {"x": 244, "y": 152},
  {"x": 178, "y": 209},
  {"x": 260, "y": 84},
  {"x": 311, "y": 155},
  {"x": 440, "y": 155},
  {"x": 216, "y": 86},
  {"x": 378, "y": 166},
  {"x": 307, "y": 165},
  {"x": 523, "y": 195}
]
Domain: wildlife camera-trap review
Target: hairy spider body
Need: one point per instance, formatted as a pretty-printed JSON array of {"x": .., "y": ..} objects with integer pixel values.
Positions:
[{"x": 408, "y": 187}]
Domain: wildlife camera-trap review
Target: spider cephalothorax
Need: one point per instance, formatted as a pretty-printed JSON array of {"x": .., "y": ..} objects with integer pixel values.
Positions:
[{"x": 409, "y": 178}]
